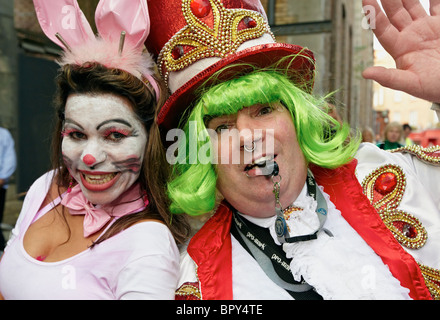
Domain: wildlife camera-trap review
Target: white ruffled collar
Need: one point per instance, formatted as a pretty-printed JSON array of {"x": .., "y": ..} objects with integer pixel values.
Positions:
[
  {"x": 268, "y": 222},
  {"x": 342, "y": 267}
]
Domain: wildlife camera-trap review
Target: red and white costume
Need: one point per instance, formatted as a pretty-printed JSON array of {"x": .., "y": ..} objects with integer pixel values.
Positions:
[
  {"x": 215, "y": 266},
  {"x": 197, "y": 39}
]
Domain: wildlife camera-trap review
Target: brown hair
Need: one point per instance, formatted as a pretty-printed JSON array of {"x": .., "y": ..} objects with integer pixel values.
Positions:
[{"x": 93, "y": 79}]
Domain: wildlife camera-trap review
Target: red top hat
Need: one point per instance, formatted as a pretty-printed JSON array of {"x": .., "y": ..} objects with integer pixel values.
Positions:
[{"x": 193, "y": 39}]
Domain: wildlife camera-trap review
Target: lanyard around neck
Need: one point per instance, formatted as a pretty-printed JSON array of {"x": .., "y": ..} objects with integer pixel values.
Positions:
[
  {"x": 321, "y": 212},
  {"x": 260, "y": 244}
]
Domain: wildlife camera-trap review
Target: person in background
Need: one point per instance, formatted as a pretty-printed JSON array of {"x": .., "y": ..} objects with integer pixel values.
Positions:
[
  {"x": 367, "y": 135},
  {"x": 392, "y": 135},
  {"x": 8, "y": 164},
  {"x": 98, "y": 226},
  {"x": 406, "y": 132},
  {"x": 333, "y": 112}
]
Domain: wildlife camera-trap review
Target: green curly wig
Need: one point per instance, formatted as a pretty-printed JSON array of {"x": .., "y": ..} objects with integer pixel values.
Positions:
[{"x": 324, "y": 142}]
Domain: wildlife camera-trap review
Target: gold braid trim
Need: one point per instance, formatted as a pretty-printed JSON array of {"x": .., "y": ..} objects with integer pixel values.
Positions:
[
  {"x": 198, "y": 40},
  {"x": 386, "y": 196},
  {"x": 432, "y": 280},
  {"x": 407, "y": 229},
  {"x": 429, "y": 155},
  {"x": 188, "y": 291}
]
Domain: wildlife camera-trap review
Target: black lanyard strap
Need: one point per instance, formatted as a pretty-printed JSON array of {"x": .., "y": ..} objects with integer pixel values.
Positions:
[
  {"x": 321, "y": 211},
  {"x": 260, "y": 237},
  {"x": 257, "y": 239}
]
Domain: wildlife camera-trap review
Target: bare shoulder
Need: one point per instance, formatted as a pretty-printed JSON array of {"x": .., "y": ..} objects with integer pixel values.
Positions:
[{"x": 53, "y": 193}]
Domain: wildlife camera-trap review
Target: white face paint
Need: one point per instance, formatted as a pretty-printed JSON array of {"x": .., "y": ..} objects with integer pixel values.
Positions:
[{"x": 103, "y": 145}]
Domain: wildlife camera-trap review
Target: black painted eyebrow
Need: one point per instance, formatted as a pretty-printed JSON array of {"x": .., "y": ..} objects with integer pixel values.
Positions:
[{"x": 122, "y": 121}]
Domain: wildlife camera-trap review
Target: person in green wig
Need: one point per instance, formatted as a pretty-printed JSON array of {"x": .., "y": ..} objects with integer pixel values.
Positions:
[{"x": 295, "y": 206}]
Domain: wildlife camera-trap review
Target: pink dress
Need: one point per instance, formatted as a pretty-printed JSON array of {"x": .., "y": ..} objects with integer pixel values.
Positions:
[{"x": 141, "y": 262}]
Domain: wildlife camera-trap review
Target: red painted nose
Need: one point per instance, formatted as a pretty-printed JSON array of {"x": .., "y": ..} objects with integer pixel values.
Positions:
[{"x": 89, "y": 160}]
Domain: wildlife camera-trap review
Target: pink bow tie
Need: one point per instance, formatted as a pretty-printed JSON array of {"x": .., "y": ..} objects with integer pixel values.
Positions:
[{"x": 95, "y": 217}]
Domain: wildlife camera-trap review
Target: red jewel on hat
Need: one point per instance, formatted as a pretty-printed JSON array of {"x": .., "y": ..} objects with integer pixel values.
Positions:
[
  {"x": 180, "y": 50},
  {"x": 177, "y": 52},
  {"x": 385, "y": 183},
  {"x": 247, "y": 23},
  {"x": 200, "y": 8}
]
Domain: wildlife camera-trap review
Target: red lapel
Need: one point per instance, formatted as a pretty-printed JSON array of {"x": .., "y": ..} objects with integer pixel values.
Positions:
[{"x": 211, "y": 250}]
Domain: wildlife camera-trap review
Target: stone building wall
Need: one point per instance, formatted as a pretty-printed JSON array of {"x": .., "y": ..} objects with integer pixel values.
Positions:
[
  {"x": 8, "y": 66},
  {"x": 342, "y": 50}
]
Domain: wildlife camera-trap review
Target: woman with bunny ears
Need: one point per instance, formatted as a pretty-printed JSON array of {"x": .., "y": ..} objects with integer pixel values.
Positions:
[{"x": 97, "y": 226}]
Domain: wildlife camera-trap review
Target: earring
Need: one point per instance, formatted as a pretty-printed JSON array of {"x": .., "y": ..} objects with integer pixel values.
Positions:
[
  {"x": 145, "y": 198},
  {"x": 69, "y": 188}
]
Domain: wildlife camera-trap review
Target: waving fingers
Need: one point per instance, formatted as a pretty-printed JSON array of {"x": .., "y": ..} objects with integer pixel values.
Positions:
[
  {"x": 415, "y": 9},
  {"x": 435, "y": 7}
]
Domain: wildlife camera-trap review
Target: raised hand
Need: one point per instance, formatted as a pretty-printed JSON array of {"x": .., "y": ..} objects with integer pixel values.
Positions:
[{"x": 412, "y": 37}]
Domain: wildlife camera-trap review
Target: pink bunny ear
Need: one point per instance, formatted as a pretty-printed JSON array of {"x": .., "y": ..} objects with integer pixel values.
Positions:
[
  {"x": 65, "y": 18},
  {"x": 112, "y": 17}
]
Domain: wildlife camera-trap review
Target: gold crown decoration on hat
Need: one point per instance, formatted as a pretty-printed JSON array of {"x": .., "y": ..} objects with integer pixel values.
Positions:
[{"x": 211, "y": 31}]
